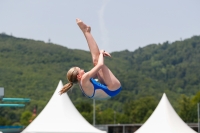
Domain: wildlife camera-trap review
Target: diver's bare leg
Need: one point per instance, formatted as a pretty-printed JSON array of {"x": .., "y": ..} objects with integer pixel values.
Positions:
[
  {"x": 94, "y": 49},
  {"x": 108, "y": 78}
]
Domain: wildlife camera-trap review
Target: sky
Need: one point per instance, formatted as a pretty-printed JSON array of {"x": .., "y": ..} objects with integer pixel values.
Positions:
[{"x": 117, "y": 25}]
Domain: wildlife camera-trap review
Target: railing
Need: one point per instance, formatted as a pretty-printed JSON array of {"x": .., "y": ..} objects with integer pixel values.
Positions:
[
  {"x": 12, "y": 105},
  {"x": 130, "y": 128},
  {"x": 15, "y": 99},
  {"x": 9, "y": 129}
]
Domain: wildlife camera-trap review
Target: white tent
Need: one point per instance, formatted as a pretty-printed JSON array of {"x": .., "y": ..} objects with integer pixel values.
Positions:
[
  {"x": 60, "y": 116},
  {"x": 165, "y": 120}
]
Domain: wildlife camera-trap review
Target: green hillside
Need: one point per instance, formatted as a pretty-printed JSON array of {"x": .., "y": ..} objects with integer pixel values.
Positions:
[{"x": 32, "y": 69}]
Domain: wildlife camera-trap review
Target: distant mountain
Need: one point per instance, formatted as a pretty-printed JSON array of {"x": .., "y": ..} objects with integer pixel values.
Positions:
[{"x": 32, "y": 69}]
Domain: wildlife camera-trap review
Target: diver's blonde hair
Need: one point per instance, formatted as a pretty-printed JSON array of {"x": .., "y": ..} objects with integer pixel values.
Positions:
[{"x": 72, "y": 78}]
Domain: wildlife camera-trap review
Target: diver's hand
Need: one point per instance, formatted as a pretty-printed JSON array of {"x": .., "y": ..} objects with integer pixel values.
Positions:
[{"x": 105, "y": 53}]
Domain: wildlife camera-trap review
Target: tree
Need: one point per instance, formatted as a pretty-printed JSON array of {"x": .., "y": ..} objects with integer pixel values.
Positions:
[
  {"x": 4, "y": 122},
  {"x": 84, "y": 107},
  {"x": 25, "y": 118},
  {"x": 185, "y": 109},
  {"x": 140, "y": 110}
]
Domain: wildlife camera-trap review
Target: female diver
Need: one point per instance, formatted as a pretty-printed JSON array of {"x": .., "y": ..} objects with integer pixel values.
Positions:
[{"x": 107, "y": 86}]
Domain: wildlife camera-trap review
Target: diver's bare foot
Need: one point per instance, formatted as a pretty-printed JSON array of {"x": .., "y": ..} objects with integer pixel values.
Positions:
[{"x": 83, "y": 26}]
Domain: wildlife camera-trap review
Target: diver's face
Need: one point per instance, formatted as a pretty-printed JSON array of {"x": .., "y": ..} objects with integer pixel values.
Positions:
[{"x": 80, "y": 71}]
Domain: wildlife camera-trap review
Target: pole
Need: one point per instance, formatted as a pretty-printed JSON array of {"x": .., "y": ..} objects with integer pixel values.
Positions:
[
  {"x": 198, "y": 117},
  {"x": 114, "y": 116},
  {"x": 93, "y": 112}
]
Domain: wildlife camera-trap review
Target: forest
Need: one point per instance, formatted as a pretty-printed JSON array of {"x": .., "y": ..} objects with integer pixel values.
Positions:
[{"x": 32, "y": 69}]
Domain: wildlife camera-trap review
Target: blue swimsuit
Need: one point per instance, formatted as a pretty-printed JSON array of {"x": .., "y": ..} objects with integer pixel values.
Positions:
[{"x": 103, "y": 87}]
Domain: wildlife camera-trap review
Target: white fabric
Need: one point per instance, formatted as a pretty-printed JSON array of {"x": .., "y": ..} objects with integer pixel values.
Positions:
[
  {"x": 165, "y": 120},
  {"x": 60, "y": 116}
]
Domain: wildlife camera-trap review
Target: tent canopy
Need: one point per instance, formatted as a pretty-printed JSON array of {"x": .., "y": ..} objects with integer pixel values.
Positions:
[
  {"x": 165, "y": 120},
  {"x": 60, "y": 116}
]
